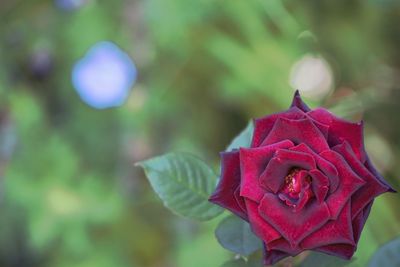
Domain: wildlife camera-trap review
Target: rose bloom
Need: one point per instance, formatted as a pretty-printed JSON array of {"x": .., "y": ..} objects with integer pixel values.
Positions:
[{"x": 306, "y": 183}]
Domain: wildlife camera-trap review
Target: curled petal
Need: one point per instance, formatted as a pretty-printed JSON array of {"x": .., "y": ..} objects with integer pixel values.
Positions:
[
  {"x": 294, "y": 227},
  {"x": 360, "y": 219},
  {"x": 341, "y": 130},
  {"x": 263, "y": 126},
  {"x": 239, "y": 199},
  {"x": 300, "y": 192},
  {"x": 273, "y": 256},
  {"x": 224, "y": 195},
  {"x": 333, "y": 232},
  {"x": 280, "y": 165},
  {"x": 252, "y": 163},
  {"x": 283, "y": 245},
  {"x": 298, "y": 102},
  {"x": 368, "y": 164},
  {"x": 325, "y": 166},
  {"x": 349, "y": 182},
  {"x": 305, "y": 195},
  {"x": 372, "y": 188},
  {"x": 343, "y": 251},
  {"x": 298, "y": 131},
  {"x": 323, "y": 128},
  {"x": 258, "y": 225},
  {"x": 320, "y": 184},
  {"x": 331, "y": 172}
]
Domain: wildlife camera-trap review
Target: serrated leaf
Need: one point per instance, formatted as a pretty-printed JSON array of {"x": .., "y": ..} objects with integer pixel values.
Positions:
[
  {"x": 387, "y": 255},
  {"x": 243, "y": 139},
  {"x": 320, "y": 259},
  {"x": 184, "y": 183},
  {"x": 235, "y": 235}
]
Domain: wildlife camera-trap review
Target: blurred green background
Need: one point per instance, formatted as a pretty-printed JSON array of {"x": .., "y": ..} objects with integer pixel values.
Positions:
[{"x": 70, "y": 194}]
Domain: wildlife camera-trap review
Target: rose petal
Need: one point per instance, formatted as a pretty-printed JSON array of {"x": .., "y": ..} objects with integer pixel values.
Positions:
[
  {"x": 298, "y": 131},
  {"x": 330, "y": 171},
  {"x": 323, "y": 128},
  {"x": 224, "y": 194},
  {"x": 294, "y": 227},
  {"x": 371, "y": 168},
  {"x": 252, "y": 164},
  {"x": 239, "y": 199},
  {"x": 320, "y": 184},
  {"x": 333, "y": 232},
  {"x": 305, "y": 195},
  {"x": 283, "y": 245},
  {"x": 325, "y": 166},
  {"x": 258, "y": 225},
  {"x": 341, "y": 130},
  {"x": 263, "y": 126},
  {"x": 343, "y": 251},
  {"x": 372, "y": 188},
  {"x": 279, "y": 166},
  {"x": 273, "y": 256},
  {"x": 298, "y": 102},
  {"x": 301, "y": 194},
  {"x": 349, "y": 183},
  {"x": 360, "y": 219}
]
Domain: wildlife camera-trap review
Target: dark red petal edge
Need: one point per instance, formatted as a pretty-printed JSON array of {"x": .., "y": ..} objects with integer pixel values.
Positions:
[
  {"x": 226, "y": 194},
  {"x": 273, "y": 256},
  {"x": 262, "y": 126},
  {"x": 298, "y": 102}
]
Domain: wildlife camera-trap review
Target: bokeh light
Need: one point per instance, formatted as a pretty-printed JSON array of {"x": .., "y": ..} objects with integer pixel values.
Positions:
[
  {"x": 69, "y": 5},
  {"x": 312, "y": 76},
  {"x": 104, "y": 77}
]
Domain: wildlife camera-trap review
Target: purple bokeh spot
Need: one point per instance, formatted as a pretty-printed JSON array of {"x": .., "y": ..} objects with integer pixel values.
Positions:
[
  {"x": 104, "y": 77},
  {"x": 69, "y": 5}
]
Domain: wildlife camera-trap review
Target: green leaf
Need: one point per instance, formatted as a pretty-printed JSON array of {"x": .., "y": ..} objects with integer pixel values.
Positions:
[
  {"x": 184, "y": 183},
  {"x": 243, "y": 139},
  {"x": 235, "y": 263},
  {"x": 254, "y": 260},
  {"x": 387, "y": 255},
  {"x": 235, "y": 235},
  {"x": 320, "y": 259}
]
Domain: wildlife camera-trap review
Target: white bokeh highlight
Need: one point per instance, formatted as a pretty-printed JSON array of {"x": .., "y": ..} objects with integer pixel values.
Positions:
[{"x": 312, "y": 76}]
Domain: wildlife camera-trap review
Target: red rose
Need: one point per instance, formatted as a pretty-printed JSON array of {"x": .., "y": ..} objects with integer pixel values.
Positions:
[{"x": 306, "y": 183}]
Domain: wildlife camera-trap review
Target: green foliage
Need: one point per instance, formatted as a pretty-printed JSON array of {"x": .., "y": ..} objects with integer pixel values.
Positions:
[
  {"x": 320, "y": 259},
  {"x": 254, "y": 260},
  {"x": 235, "y": 235},
  {"x": 387, "y": 255},
  {"x": 243, "y": 139},
  {"x": 239, "y": 263},
  {"x": 192, "y": 247},
  {"x": 248, "y": 75},
  {"x": 381, "y": 214},
  {"x": 52, "y": 196},
  {"x": 184, "y": 183},
  {"x": 235, "y": 263}
]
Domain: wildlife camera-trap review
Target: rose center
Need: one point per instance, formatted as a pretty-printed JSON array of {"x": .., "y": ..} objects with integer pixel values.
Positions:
[{"x": 296, "y": 190}]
